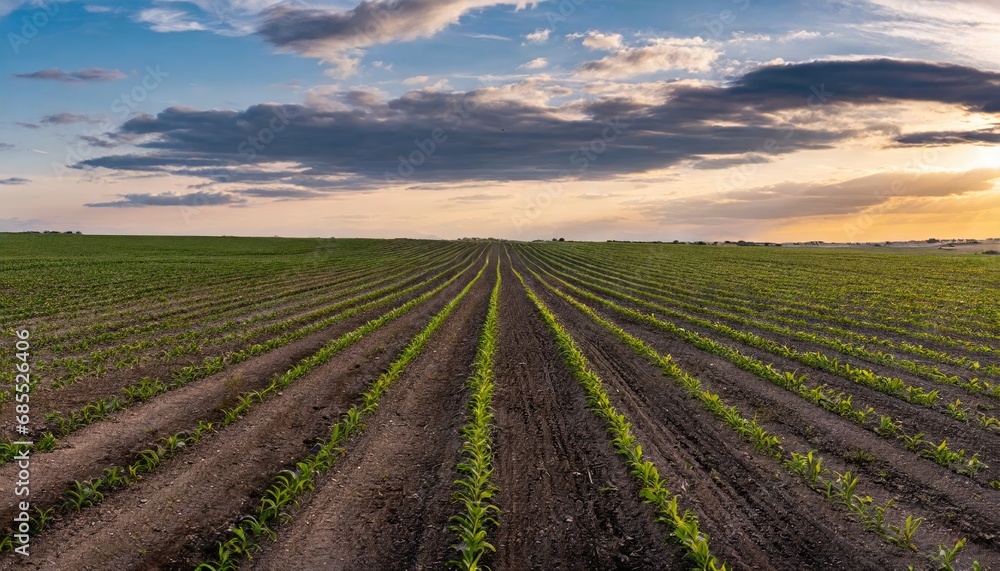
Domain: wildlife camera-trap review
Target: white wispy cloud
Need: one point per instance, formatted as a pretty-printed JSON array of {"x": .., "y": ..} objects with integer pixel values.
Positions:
[{"x": 537, "y": 63}]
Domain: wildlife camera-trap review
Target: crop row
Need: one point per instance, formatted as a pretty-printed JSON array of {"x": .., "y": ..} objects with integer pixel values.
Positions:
[
  {"x": 146, "y": 388},
  {"x": 475, "y": 489},
  {"x": 735, "y": 278},
  {"x": 289, "y": 485},
  {"x": 822, "y": 396},
  {"x": 704, "y": 302},
  {"x": 196, "y": 341},
  {"x": 150, "y": 459},
  {"x": 838, "y": 488},
  {"x": 683, "y": 525},
  {"x": 891, "y": 386}
]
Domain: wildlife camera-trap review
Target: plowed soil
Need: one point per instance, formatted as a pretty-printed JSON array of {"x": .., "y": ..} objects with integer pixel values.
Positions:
[{"x": 566, "y": 500}]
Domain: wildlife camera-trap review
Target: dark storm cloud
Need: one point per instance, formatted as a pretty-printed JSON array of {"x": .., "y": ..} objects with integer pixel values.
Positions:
[
  {"x": 88, "y": 74},
  {"x": 483, "y": 137},
  {"x": 170, "y": 199},
  {"x": 950, "y": 138}
]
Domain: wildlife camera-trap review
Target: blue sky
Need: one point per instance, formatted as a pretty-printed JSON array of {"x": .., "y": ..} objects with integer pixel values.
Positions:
[{"x": 845, "y": 120}]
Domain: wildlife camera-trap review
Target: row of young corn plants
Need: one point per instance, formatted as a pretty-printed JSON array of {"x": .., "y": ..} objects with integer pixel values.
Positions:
[
  {"x": 946, "y": 295},
  {"x": 933, "y": 373},
  {"x": 825, "y": 397},
  {"x": 80, "y": 496},
  {"x": 838, "y": 488},
  {"x": 147, "y": 388},
  {"x": 759, "y": 295},
  {"x": 891, "y": 386},
  {"x": 85, "y": 294},
  {"x": 207, "y": 310},
  {"x": 181, "y": 311},
  {"x": 475, "y": 489},
  {"x": 210, "y": 336},
  {"x": 75, "y": 367},
  {"x": 709, "y": 292},
  {"x": 653, "y": 490},
  {"x": 89, "y": 493},
  {"x": 93, "y": 288},
  {"x": 767, "y": 301},
  {"x": 138, "y": 350},
  {"x": 206, "y": 304},
  {"x": 289, "y": 485}
]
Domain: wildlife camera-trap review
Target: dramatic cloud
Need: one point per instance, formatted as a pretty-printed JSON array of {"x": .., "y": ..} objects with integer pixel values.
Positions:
[
  {"x": 539, "y": 36},
  {"x": 14, "y": 180},
  {"x": 794, "y": 200},
  {"x": 661, "y": 54},
  {"x": 170, "y": 199},
  {"x": 88, "y": 74},
  {"x": 511, "y": 132},
  {"x": 64, "y": 119},
  {"x": 338, "y": 36}
]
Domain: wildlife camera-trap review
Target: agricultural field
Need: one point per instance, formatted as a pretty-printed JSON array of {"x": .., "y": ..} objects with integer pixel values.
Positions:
[{"x": 274, "y": 404}]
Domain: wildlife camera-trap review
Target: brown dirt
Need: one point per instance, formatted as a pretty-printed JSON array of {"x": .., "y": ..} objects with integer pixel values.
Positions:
[
  {"x": 393, "y": 490},
  {"x": 757, "y": 517},
  {"x": 566, "y": 500},
  {"x": 917, "y": 485},
  {"x": 253, "y": 372},
  {"x": 240, "y": 459}
]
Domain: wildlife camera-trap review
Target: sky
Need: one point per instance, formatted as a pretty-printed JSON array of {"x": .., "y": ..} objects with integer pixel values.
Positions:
[{"x": 777, "y": 120}]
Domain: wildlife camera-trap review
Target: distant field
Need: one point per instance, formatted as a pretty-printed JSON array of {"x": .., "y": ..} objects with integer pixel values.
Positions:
[{"x": 270, "y": 403}]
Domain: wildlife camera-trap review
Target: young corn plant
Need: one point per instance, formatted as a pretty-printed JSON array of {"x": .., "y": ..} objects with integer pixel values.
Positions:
[
  {"x": 945, "y": 556},
  {"x": 289, "y": 483},
  {"x": 903, "y": 535},
  {"x": 475, "y": 490},
  {"x": 684, "y": 526}
]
